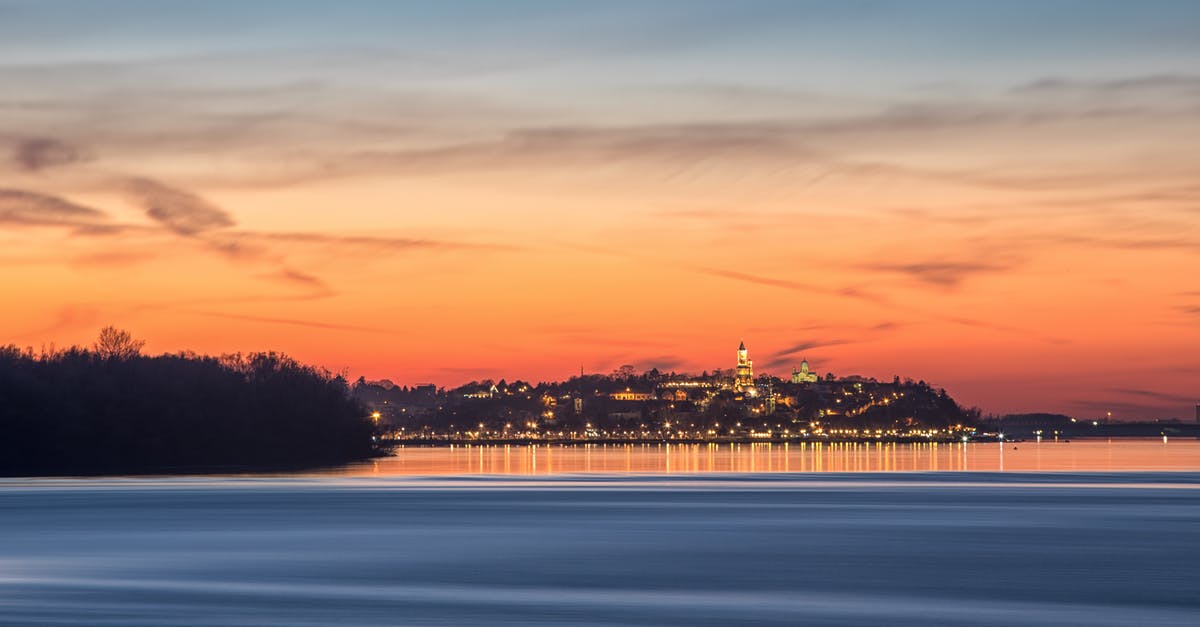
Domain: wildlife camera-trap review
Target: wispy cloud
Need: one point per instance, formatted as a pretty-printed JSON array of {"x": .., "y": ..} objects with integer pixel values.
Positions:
[
  {"x": 180, "y": 211},
  {"x": 321, "y": 140},
  {"x": 808, "y": 345},
  {"x": 665, "y": 363},
  {"x": 41, "y": 153},
  {"x": 1129, "y": 243},
  {"x": 1155, "y": 395},
  {"x": 943, "y": 274},
  {"x": 788, "y": 356},
  {"x": 296, "y": 277},
  {"x": 330, "y": 326},
  {"x": 375, "y": 243},
  {"x": 847, "y": 292},
  {"x": 186, "y": 214},
  {"x": 19, "y": 207},
  {"x": 1149, "y": 83}
]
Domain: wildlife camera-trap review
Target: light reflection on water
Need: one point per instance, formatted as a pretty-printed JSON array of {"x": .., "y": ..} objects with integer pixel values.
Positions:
[{"x": 1045, "y": 456}]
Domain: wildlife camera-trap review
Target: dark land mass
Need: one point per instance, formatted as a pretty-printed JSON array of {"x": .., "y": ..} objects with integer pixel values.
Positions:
[
  {"x": 1029, "y": 426},
  {"x": 110, "y": 410}
]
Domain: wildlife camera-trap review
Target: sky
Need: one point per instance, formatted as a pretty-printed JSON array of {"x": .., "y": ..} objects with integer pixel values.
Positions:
[{"x": 998, "y": 198}]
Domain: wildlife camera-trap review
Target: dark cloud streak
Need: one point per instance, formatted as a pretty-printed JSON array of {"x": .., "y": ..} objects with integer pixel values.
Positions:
[
  {"x": 664, "y": 363},
  {"x": 42, "y": 153},
  {"x": 944, "y": 274},
  {"x": 1157, "y": 396},
  {"x": 19, "y": 207},
  {"x": 846, "y": 292},
  {"x": 331, "y": 326},
  {"x": 786, "y": 357},
  {"x": 1186, "y": 83},
  {"x": 394, "y": 244},
  {"x": 808, "y": 345},
  {"x": 180, "y": 211}
]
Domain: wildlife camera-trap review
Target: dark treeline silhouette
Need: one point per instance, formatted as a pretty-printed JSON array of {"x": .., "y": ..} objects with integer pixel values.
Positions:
[{"x": 109, "y": 409}]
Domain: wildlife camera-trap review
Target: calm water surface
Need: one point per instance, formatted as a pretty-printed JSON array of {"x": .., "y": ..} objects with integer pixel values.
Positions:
[
  {"x": 1088, "y": 537},
  {"x": 1045, "y": 456}
]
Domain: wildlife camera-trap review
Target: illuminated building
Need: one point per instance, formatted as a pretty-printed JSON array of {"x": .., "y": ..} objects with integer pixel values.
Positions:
[
  {"x": 677, "y": 395},
  {"x": 803, "y": 375},
  {"x": 687, "y": 384},
  {"x": 744, "y": 377},
  {"x": 629, "y": 395}
]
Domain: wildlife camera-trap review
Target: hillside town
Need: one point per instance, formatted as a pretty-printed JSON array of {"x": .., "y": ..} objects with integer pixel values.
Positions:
[{"x": 626, "y": 405}]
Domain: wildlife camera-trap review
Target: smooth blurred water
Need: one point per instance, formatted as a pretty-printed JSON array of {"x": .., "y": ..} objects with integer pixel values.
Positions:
[{"x": 781, "y": 549}]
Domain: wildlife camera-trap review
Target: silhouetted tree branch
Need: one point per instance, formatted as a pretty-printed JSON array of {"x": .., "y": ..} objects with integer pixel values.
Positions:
[{"x": 115, "y": 343}]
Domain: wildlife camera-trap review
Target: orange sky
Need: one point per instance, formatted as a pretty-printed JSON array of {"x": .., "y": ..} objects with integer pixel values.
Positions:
[{"x": 1029, "y": 240}]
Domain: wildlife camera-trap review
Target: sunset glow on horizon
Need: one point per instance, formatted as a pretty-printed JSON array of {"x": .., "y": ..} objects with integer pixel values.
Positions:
[{"x": 1002, "y": 201}]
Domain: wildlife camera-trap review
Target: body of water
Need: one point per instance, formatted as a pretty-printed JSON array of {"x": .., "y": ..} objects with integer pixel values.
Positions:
[{"x": 677, "y": 545}]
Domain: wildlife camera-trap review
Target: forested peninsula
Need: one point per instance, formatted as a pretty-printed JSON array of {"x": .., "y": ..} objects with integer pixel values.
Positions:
[{"x": 109, "y": 409}]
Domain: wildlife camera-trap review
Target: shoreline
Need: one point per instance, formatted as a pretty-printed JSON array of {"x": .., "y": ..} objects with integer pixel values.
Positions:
[{"x": 434, "y": 442}]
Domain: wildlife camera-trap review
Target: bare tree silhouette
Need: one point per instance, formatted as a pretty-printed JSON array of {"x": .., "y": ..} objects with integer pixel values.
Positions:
[{"x": 115, "y": 343}]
